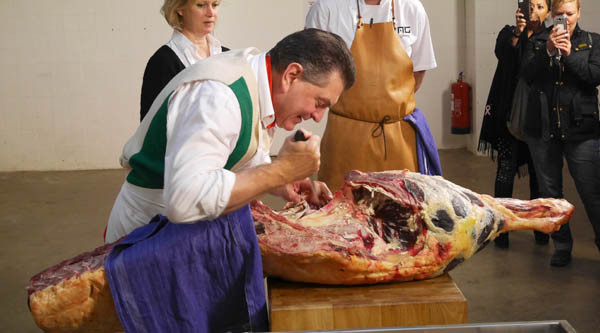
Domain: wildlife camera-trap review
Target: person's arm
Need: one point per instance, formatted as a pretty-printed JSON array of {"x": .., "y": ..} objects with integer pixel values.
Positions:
[
  {"x": 422, "y": 54},
  {"x": 586, "y": 70},
  {"x": 419, "y": 76},
  {"x": 535, "y": 61},
  {"x": 203, "y": 125},
  {"x": 160, "y": 69},
  {"x": 295, "y": 162},
  {"x": 506, "y": 44},
  {"x": 519, "y": 29},
  {"x": 317, "y": 17},
  {"x": 204, "y": 122}
]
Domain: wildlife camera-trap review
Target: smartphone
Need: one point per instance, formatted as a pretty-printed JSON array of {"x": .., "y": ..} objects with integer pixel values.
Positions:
[
  {"x": 524, "y": 6},
  {"x": 560, "y": 21}
]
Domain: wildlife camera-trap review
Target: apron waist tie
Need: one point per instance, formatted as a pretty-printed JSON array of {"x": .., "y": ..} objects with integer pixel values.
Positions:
[{"x": 380, "y": 131}]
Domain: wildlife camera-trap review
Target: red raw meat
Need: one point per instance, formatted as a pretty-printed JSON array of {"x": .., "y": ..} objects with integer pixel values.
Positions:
[
  {"x": 74, "y": 296},
  {"x": 392, "y": 226}
]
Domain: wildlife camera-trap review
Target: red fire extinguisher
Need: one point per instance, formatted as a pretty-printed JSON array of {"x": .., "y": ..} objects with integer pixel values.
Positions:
[{"x": 461, "y": 107}]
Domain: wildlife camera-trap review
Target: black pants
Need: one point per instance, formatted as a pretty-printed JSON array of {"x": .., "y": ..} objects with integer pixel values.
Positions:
[
  {"x": 583, "y": 160},
  {"x": 511, "y": 154}
]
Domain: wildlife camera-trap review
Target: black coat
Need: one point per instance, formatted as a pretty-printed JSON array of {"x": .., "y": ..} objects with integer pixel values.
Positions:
[
  {"x": 563, "y": 103},
  {"x": 499, "y": 102}
]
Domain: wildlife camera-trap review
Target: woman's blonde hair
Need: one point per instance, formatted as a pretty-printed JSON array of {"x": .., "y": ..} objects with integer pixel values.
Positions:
[
  {"x": 169, "y": 11},
  {"x": 557, "y": 3}
]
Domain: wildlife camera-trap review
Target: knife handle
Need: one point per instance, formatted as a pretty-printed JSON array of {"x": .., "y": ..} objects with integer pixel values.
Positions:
[{"x": 299, "y": 136}]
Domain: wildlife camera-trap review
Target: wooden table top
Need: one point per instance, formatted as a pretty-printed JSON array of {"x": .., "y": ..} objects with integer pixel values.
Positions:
[{"x": 285, "y": 295}]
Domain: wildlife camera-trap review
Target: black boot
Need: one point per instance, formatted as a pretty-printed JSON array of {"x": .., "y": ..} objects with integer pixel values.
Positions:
[
  {"x": 560, "y": 258},
  {"x": 541, "y": 238},
  {"x": 502, "y": 241}
]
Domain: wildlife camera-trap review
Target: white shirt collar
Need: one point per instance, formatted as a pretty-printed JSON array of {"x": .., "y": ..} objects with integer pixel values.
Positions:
[
  {"x": 214, "y": 44},
  {"x": 259, "y": 67},
  {"x": 187, "y": 51}
]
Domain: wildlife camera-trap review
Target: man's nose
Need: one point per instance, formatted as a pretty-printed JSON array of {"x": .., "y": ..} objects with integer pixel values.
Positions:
[{"x": 318, "y": 115}]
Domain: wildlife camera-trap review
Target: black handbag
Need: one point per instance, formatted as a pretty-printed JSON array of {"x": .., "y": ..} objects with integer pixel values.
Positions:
[{"x": 518, "y": 113}]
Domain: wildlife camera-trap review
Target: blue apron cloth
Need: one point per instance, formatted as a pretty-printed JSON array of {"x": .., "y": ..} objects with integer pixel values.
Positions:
[
  {"x": 201, "y": 277},
  {"x": 427, "y": 154}
]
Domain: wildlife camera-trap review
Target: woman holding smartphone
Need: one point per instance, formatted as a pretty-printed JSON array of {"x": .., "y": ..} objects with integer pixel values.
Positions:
[
  {"x": 562, "y": 116},
  {"x": 495, "y": 139}
]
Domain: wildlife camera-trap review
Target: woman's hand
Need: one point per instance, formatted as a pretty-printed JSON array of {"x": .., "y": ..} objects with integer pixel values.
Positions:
[
  {"x": 520, "y": 23},
  {"x": 559, "y": 40}
]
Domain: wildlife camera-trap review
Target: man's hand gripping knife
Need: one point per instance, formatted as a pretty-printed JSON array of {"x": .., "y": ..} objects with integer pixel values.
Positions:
[
  {"x": 296, "y": 161},
  {"x": 314, "y": 195}
]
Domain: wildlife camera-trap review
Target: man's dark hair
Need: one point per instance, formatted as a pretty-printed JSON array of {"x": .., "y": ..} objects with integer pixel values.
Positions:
[{"x": 319, "y": 52}]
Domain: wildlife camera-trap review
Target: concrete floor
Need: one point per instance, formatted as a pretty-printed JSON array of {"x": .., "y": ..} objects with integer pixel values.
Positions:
[{"x": 51, "y": 216}]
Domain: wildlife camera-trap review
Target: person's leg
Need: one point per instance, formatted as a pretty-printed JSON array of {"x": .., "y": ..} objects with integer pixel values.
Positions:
[
  {"x": 583, "y": 159},
  {"x": 505, "y": 177},
  {"x": 534, "y": 188},
  {"x": 548, "y": 162},
  {"x": 507, "y": 169},
  {"x": 534, "y": 193}
]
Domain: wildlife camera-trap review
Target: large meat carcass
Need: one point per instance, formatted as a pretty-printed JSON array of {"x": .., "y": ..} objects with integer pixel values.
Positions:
[{"x": 392, "y": 226}]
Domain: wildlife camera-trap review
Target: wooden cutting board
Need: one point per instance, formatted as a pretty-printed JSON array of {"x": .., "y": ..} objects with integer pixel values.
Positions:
[{"x": 298, "y": 306}]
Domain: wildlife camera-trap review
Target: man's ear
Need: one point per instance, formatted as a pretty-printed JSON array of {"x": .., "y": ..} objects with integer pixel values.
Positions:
[{"x": 292, "y": 73}]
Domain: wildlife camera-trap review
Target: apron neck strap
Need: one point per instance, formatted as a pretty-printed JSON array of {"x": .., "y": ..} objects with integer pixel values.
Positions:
[
  {"x": 360, "y": 16},
  {"x": 393, "y": 16}
]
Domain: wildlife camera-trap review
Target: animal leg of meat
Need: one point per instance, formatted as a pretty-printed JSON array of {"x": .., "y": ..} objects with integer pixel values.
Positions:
[{"x": 545, "y": 215}]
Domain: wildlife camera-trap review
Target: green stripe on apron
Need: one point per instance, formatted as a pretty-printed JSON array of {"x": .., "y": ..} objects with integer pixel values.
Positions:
[
  {"x": 148, "y": 165},
  {"x": 240, "y": 89}
]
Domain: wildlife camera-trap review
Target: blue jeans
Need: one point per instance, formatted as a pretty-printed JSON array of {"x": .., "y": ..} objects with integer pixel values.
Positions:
[{"x": 583, "y": 160}]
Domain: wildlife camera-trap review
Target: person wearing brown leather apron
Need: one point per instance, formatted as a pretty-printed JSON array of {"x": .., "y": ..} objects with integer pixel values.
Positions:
[{"x": 365, "y": 129}]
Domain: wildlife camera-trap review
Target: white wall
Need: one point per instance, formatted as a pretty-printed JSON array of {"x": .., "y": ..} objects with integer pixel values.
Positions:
[
  {"x": 72, "y": 69},
  {"x": 71, "y": 78},
  {"x": 447, "y": 23}
]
